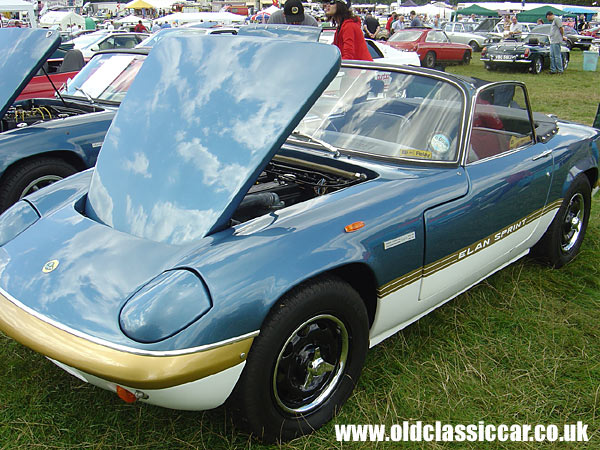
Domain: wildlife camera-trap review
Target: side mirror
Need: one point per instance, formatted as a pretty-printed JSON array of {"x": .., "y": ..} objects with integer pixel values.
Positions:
[{"x": 94, "y": 48}]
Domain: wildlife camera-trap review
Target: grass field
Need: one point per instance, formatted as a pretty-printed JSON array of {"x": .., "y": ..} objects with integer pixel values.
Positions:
[{"x": 521, "y": 347}]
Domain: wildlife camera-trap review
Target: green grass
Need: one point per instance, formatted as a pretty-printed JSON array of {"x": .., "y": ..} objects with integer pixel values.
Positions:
[{"x": 521, "y": 347}]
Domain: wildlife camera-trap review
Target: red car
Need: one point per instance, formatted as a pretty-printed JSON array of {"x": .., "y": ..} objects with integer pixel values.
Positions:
[
  {"x": 59, "y": 71},
  {"x": 432, "y": 45},
  {"x": 594, "y": 32}
]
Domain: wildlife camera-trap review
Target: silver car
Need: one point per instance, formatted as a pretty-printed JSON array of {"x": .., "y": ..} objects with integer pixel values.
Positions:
[{"x": 462, "y": 33}]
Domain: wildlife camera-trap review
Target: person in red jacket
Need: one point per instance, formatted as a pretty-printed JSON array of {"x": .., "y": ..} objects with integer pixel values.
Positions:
[
  {"x": 348, "y": 36},
  {"x": 140, "y": 28}
]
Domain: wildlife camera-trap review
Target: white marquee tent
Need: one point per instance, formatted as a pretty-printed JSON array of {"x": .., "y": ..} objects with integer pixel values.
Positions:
[
  {"x": 225, "y": 18},
  {"x": 63, "y": 19},
  {"x": 21, "y": 7}
]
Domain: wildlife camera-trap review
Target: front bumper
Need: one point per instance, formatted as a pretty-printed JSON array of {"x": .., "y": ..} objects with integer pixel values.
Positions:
[{"x": 127, "y": 367}]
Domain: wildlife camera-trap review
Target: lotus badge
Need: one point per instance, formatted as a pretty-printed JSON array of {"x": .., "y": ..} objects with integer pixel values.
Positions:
[{"x": 50, "y": 266}]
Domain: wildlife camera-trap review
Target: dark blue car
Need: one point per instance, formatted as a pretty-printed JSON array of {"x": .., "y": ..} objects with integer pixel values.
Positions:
[
  {"x": 45, "y": 140},
  {"x": 242, "y": 245}
]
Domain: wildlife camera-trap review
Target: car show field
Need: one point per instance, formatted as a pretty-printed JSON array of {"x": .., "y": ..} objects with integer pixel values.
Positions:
[{"x": 519, "y": 347}]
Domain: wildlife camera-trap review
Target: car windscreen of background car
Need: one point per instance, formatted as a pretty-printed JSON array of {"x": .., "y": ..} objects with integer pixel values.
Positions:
[
  {"x": 405, "y": 36},
  {"x": 388, "y": 114},
  {"x": 106, "y": 77}
]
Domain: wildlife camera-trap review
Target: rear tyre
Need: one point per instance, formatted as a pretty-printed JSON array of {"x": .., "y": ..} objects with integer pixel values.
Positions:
[
  {"x": 430, "y": 60},
  {"x": 565, "y": 61},
  {"x": 537, "y": 66},
  {"x": 305, "y": 362},
  {"x": 562, "y": 240},
  {"x": 30, "y": 176},
  {"x": 466, "y": 58},
  {"x": 490, "y": 67},
  {"x": 474, "y": 46}
]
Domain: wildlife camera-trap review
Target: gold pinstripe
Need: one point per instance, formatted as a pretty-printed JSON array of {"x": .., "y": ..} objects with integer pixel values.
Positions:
[{"x": 447, "y": 261}]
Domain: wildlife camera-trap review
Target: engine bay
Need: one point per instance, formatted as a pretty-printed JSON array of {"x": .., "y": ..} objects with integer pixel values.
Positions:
[
  {"x": 30, "y": 112},
  {"x": 287, "y": 181}
]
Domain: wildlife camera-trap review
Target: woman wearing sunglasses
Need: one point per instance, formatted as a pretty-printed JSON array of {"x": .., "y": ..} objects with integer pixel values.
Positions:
[{"x": 348, "y": 36}]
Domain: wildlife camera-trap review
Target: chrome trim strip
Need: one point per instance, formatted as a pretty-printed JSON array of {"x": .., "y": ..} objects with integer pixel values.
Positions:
[{"x": 124, "y": 348}]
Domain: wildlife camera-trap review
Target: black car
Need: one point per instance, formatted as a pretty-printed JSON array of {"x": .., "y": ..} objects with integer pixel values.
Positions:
[
  {"x": 574, "y": 39},
  {"x": 532, "y": 54}
]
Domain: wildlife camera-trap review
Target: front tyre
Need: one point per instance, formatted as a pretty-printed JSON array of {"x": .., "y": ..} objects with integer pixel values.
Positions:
[
  {"x": 30, "y": 176},
  {"x": 562, "y": 241},
  {"x": 466, "y": 60},
  {"x": 305, "y": 362},
  {"x": 537, "y": 65},
  {"x": 430, "y": 60}
]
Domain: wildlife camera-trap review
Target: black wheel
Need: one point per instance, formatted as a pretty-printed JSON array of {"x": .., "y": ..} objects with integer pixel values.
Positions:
[
  {"x": 569, "y": 45},
  {"x": 30, "y": 176},
  {"x": 565, "y": 61},
  {"x": 490, "y": 67},
  {"x": 561, "y": 242},
  {"x": 466, "y": 58},
  {"x": 586, "y": 47},
  {"x": 305, "y": 362},
  {"x": 430, "y": 60},
  {"x": 474, "y": 46},
  {"x": 537, "y": 65}
]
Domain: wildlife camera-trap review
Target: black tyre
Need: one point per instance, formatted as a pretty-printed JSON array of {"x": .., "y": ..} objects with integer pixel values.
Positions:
[
  {"x": 490, "y": 67},
  {"x": 569, "y": 45},
  {"x": 474, "y": 46},
  {"x": 430, "y": 60},
  {"x": 305, "y": 362},
  {"x": 537, "y": 65},
  {"x": 30, "y": 176},
  {"x": 562, "y": 241},
  {"x": 466, "y": 58},
  {"x": 565, "y": 61}
]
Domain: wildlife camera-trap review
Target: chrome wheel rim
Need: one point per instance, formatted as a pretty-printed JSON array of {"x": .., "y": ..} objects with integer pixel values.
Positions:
[
  {"x": 39, "y": 183},
  {"x": 572, "y": 223},
  {"x": 310, "y": 364},
  {"x": 538, "y": 65}
]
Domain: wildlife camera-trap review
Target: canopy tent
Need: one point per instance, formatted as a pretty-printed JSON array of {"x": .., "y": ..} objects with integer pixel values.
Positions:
[
  {"x": 90, "y": 24},
  {"x": 62, "y": 19},
  {"x": 445, "y": 11},
  {"x": 21, "y": 7},
  {"x": 538, "y": 13},
  {"x": 478, "y": 11},
  {"x": 139, "y": 4},
  {"x": 408, "y": 3},
  {"x": 578, "y": 10},
  {"x": 225, "y": 18}
]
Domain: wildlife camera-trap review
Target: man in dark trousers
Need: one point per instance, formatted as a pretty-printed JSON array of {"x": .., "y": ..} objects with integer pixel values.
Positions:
[{"x": 371, "y": 27}]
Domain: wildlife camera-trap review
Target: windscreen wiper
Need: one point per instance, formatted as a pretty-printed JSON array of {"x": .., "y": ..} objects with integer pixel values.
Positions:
[
  {"x": 79, "y": 89},
  {"x": 322, "y": 144}
]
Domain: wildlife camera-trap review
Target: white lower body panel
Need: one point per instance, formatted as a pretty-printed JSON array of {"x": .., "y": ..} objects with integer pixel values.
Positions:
[{"x": 205, "y": 393}]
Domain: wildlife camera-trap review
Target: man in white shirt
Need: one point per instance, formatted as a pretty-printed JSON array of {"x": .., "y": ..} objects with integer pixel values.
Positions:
[{"x": 516, "y": 29}]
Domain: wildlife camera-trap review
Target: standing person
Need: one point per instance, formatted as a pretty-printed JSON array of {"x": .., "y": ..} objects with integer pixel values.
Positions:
[
  {"x": 388, "y": 26},
  {"x": 110, "y": 26},
  {"x": 156, "y": 26},
  {"x": 540, "y": 21},
  {"x": 293, "y": 14},
  {"x": 414, "y": 20},
  {"x": 398, "y": 24},
  {"x": 516, "y": 29},
  {"x": 371, "y": 26},
  {"x": 140, "y": 28},
  {"x": 348, "y": 36},
  {"x": 557, "y": 34}
]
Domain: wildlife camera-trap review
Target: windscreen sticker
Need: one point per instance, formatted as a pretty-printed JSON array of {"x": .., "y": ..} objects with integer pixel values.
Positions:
[
  {"x": 440, "y": 143},
  {"x": 414, "y": 153}
]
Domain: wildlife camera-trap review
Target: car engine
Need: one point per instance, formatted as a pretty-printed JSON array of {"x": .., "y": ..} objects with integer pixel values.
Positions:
[{"x": 30, "y": 112}]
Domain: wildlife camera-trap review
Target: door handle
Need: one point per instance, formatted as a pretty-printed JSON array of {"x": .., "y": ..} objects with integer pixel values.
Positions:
[{"x": 542, "y": 155}]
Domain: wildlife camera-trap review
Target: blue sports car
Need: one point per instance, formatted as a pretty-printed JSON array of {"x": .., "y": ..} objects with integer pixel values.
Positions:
[
  {"x": 232, "y": 244},
  {"x": 45, "y": 140}
]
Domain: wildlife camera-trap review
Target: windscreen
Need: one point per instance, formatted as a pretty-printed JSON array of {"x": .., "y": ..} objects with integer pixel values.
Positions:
[{"x": 388, "y": 114}]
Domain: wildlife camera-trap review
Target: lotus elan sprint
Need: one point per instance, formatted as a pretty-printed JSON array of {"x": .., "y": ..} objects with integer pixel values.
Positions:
[{"x": 235, "y": 245}]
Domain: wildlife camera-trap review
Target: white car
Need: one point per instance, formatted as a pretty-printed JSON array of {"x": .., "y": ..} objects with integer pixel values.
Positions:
[
  {"x": 461, "y": 33},
  {"x": 106, "y": 40},
  {"x": 380, "y": 51}
]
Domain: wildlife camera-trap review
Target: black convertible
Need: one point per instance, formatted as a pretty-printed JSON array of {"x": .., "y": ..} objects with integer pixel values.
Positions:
[{"x": 532, "y": 54}]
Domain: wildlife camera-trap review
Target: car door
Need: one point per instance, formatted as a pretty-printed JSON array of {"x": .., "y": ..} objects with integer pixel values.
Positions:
[{"x": 505, "y": 211}]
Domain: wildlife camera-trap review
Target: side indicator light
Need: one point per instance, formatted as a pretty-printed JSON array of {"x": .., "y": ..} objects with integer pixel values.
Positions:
[
  {"x": 125, "y": 395},
  {"x": 354, "y": 226}
]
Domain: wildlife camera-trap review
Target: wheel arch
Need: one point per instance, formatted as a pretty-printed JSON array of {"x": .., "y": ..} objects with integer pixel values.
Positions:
[
  {"x": 67, "y": 156},
  {"x": 591, "y": 173}
]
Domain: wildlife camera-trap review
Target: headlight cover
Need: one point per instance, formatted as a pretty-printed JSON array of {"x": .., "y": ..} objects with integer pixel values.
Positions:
[
  {"x": 15, "y": 220},
  {"x": 164, "y": 306}
]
